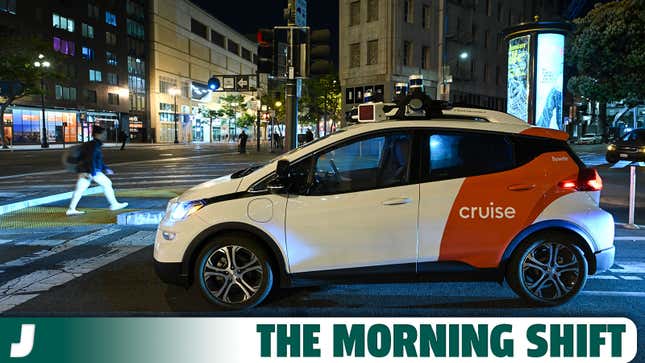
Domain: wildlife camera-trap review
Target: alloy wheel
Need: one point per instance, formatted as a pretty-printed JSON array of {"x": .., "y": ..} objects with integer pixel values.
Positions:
[
  {"x": 232, "y": 274},
  {"x": 550, "y": 271}
]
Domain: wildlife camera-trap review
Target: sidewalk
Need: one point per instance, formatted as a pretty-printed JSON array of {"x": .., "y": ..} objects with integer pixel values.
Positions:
[{"x": 251, "y": 145}]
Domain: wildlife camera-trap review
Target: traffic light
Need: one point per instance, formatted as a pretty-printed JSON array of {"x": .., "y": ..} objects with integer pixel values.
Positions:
[
  {"x": 320, "y": 52},
  {"x": 266, "y": 51}
]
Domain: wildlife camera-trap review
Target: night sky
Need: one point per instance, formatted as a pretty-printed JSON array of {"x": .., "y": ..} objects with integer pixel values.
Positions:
[{"x": 246, "y": 16}]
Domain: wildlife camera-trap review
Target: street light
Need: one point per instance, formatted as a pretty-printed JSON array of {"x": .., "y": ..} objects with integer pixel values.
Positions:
[
  {"x": 444, "y": 73},
  {"x": 174, "y": 92},
  {"x": 463, "y": 55},
  {"x": 278, "y": 104},
  {"x": 44, "y": 64}
]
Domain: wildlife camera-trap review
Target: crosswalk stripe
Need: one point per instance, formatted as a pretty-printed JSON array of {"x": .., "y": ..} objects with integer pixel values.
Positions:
[
  {"x": 3, "y": 241},
  {"x": 614, "y": 293},
  {"x": 24, "y": 288},
  {"x": 40, "y": 242},
  {"x": 631, "y": 278},
  {"x": 60, "y": 248},
  {"x": 603, "y": 277}
]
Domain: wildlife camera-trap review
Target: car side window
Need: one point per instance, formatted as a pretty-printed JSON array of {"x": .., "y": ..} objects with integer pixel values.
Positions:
[
  {"x": 463, "y": 154},
  {"x": 378, "y": 161}
]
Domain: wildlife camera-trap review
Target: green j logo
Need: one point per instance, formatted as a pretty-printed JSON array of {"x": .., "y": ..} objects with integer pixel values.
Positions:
[{"x": 26, "y": 343}]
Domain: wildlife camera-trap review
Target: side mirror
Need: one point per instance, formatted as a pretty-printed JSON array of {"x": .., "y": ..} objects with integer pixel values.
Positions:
[{"x": 282, "y": 169}]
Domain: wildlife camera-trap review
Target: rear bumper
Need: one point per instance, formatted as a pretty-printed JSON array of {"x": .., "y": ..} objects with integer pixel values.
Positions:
[
  {"x": 170, "y": 273},
  {"x": 605, "y": 259}
]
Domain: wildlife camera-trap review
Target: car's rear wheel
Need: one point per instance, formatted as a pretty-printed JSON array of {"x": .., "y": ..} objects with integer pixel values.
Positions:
[
  {"x": 548, "y": 270},
  {"x": 234, "y": 272}
]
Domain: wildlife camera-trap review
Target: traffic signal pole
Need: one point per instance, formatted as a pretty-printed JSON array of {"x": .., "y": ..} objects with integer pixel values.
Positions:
[
  {"x": 258, "y": 125},
  {"x": 292, "y": 114}
]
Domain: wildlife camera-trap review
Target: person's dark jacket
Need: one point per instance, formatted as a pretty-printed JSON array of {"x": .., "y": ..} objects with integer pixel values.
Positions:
[{"x": 91, "y": 160}]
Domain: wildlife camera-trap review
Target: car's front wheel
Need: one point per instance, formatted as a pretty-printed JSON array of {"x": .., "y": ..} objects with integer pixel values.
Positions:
[
  {"x": 234, "y": 272},
  {"x": 611, "y": 159},
  {"x": 548, "y": 270}
]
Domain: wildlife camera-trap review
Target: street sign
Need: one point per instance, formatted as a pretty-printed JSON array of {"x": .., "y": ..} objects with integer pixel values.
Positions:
[
  {"x": 301, "y": 12},
  {"x": 242, "y": 83},
  {"x": 234, "y": 83}
]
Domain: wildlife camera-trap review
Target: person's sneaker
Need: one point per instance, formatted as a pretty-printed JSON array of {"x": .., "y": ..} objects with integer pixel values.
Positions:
[
  {"x": 118, "y": 206},
  {"x": 74, "y": 212}
]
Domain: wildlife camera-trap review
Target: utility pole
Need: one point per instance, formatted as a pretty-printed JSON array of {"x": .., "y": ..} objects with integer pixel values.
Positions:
[
  {"x": 257, "y": 86},
  {"x": 291, "y": 95}
]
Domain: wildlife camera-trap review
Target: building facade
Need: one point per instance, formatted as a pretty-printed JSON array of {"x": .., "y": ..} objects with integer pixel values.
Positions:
[
  {"x": 188, "y": 45},
  {"x": 453, "y": 43},
  {"x": 91, "y": 40}
]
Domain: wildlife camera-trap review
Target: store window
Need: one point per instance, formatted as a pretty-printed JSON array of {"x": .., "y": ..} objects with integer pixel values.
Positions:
[
  {"x": 110, "y": 18},
  {"x": 26, "y": 126},
  {"x": 61, "y": 22}
]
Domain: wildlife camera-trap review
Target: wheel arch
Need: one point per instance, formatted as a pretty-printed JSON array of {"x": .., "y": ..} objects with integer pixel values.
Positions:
[
  {"x": 583, "y": 239},
  {"x": 194, "y": 248}
]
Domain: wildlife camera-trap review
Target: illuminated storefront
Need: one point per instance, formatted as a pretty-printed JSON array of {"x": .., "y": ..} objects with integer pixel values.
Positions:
[
  {"x": 535, "y": 73},
  {"x": 24, "y": 126}
]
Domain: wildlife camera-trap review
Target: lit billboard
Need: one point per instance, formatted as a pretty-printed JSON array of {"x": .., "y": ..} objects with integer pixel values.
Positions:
[
  {"x": 549, "y": 81},
  {"x": 518, "y": 76}
]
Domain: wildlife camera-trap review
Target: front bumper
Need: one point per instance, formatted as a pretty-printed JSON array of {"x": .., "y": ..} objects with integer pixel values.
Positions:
[
  {"x": 170, "y": 273},
  {"x": 631, "y": 155},
  {"x": 605, "y": 259}
]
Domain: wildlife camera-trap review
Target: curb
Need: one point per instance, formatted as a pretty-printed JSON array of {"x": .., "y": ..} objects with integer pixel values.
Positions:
[
  {"x": 140, "y": 218},
  {"x": 8, "y": 208}
]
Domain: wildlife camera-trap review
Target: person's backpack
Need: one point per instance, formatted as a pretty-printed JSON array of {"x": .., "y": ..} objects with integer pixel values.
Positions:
[{"x": 71, "y": 157}]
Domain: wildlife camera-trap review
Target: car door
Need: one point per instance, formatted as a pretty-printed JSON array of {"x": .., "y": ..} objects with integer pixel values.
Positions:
[
  {"x": 359, "y": 209},
  {"x": 474, "y": 198}
]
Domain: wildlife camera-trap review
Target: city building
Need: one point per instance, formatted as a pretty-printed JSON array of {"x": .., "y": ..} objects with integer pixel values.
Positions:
[
  {"x": 91, "y": 38},
  {"x": 458, "y": 44},
  {"x": 188, "y": 46}
]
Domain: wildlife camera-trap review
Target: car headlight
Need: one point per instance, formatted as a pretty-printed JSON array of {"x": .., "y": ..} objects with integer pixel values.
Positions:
[
  {"x": 181, "y": 210},
  {"x": 642, "y": 149},
  {"x": 611, "y": 147}
]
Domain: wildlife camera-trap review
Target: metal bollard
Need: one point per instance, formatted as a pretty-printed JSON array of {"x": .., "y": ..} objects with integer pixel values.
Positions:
[{"x": 632, "y": 197}]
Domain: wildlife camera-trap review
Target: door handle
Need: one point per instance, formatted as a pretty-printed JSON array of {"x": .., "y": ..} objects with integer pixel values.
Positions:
[
  {"x": 397, "y": 201},
  {"x": 521, "y": 187}
]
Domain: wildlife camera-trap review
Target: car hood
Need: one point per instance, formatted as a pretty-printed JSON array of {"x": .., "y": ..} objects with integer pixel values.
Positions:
[{"x": 212, "y": 188}]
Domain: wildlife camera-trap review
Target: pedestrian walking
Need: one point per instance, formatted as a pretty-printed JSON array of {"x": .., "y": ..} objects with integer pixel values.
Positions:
[
  {"x": 124, "y": 138},
  {"x": 91, "y": 168},
  {"x": 243, "y": 138},
  {"x": 309, "y": 136}
]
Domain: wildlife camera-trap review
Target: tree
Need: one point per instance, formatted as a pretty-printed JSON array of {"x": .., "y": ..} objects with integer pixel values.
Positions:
[
  {"x": 608, "y": 52},
  {"x": 17, "y": 56},
  {"x": 322, "y": 100}
]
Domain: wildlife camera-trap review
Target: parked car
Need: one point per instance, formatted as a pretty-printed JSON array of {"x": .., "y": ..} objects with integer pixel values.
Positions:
[
  {"x": 589, "y": 139},
  {"x": 630, "y": 146},
  {"x": 455, "y": 194}
]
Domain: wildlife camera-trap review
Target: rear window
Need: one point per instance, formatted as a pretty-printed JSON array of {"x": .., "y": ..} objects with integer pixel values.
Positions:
[{"x": 458, "y": 155}]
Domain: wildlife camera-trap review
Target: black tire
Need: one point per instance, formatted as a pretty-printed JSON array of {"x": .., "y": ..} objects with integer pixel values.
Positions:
[
  {"x": 539, "y": 279},
  {"x": 248, "y": 282},
  {"x": 611, "y": 159}
]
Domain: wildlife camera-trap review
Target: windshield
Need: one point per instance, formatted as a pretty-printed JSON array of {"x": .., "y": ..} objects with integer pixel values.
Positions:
[{"x": 304, "y": 145}]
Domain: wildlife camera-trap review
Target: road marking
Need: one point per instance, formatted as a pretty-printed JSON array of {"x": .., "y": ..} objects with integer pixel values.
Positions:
[
  {"x": 615, "y": 293},
  {"x": 603, "y": 277},
  {"x": 60, "y": 248},
  {"x": 631, "y": 278},
  {"x": 3, "y": 241},
  {"x": 41, "y": 281},
  {"x": 621, "y": 164},
  {"x": 41, "y": 242},
  {"x": 629, "y": 268},
  {"x": 626, "y": 238},
  {"x": 141, "y": 238}
]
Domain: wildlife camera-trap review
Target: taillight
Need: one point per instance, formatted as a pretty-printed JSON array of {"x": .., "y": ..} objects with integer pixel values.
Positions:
[{"x": 588, "y": 181}]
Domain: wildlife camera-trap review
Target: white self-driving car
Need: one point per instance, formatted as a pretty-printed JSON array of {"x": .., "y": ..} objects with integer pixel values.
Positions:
[{"x": 429, "y": 194}]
